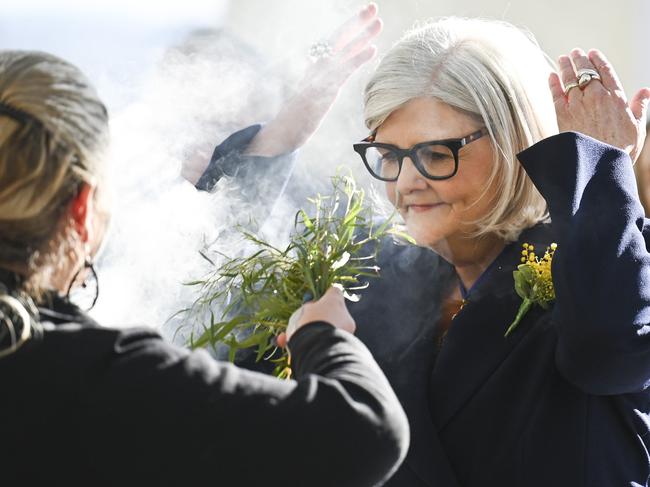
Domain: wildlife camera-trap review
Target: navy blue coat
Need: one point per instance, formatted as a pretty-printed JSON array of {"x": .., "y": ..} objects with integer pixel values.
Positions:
[{"x": 562, "y": 401}]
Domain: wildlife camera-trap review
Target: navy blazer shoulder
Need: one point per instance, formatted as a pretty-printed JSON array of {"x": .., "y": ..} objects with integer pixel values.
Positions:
[{"x": 561, "y": 401}]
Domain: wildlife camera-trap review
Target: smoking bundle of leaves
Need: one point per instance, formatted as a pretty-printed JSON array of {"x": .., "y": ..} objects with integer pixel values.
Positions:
[{"x": 334, "y": 242}]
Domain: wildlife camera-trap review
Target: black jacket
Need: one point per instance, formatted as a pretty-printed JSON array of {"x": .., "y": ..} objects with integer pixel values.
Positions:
[{"x": 85, "y": 405}]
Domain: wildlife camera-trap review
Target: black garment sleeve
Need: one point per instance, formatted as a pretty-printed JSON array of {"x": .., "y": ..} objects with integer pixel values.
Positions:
[
  {"x": 226, "y": 158},
  {"x": 601, "y": 269},
  {"x": 229, "y": 160},
  {"x": 161, "y": 415}
]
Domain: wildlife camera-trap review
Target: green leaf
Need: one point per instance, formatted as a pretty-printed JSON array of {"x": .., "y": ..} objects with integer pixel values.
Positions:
[
  {"x": 306, "y": 220},
  {"x": 527, "y": 272},
  {"x": 403, "y": 236},
  {"x": 202, "y": 254},
  {"x": 256, "y": 293},
  {"x": 522, "y": 285},
  {"x": 521, "y": 312}
]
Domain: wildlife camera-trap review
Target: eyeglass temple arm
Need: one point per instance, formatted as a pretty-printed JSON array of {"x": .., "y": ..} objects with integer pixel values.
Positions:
[{"x": 476, "y": 135}]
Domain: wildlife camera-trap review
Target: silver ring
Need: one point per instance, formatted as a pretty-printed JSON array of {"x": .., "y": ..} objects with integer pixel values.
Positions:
[
  {"x": 320, "y": 50},
  {"x": 569, "y": 86},
  {"x": 590, "y": 71},
  {"x": 586, "y": 76}
]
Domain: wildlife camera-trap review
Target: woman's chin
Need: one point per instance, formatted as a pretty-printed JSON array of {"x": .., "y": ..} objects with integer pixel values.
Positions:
[{"x": 425, "y": 238}]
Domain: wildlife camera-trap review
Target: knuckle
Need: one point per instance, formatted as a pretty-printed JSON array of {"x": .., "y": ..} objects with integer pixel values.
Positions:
[
  {"x": 606, "y": 69},
  {"x": 351, "y": 324},
  {"x": 595, "y": 94},
  {"x": 335, "y": 291},
  {"x": 619, "y": 101}
]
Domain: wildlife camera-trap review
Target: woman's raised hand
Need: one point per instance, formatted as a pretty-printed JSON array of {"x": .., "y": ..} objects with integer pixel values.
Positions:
[
  {"x": 349, "y": 47},
  {"x": 598, "y": 108}
]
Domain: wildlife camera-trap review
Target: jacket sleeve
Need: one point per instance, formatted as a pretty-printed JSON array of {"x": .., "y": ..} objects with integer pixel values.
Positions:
[
  {"x": 601, "y": 269},
  {"x": 262, "y": 178},
  {"x": 180, "y": 418}
]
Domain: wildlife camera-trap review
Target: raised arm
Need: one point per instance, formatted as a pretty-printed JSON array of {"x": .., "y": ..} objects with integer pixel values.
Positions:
[
  {"x": 601, "y": 269},
  {"x": 269, "y": 149}
]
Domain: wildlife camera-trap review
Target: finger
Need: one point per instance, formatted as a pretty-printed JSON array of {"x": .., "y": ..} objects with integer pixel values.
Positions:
[
  {"x": 607, "y": 74},
  {"x": 557, "y": 90},
  {"x": 639, "y": 105},
  {"x": 294, "y": 319},
  {"x": 351, "y": 27},
  {"x": 370, "y": 10},
  {"x": 281, "y": 340},
  {"x": 361, "y": 41},
  {"x": 580, "y": 59},
  {"x": 363, "y": 57},
  {"x": 567, "y": 75},
  {"x": 581, "y": 62},
  {"x": 334, "y": 292}
]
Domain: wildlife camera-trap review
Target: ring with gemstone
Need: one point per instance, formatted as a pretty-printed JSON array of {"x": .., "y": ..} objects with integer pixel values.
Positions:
[{"x": 320, "y": 50}]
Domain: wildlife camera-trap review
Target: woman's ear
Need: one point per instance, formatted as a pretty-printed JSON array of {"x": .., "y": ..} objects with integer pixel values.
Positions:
[{"x": 82, "y": 211}]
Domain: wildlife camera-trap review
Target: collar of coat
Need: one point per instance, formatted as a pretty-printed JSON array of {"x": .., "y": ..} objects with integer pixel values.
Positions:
[{"x": 434, "y": 384}]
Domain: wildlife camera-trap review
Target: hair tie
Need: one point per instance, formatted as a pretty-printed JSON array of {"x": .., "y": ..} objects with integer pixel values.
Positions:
[{"x": 15, "y": 325}]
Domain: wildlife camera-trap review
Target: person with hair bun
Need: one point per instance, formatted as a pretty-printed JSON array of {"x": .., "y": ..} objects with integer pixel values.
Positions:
[
  {"x": 87, "y": 405},
  {"x": 515, "y": 333}
]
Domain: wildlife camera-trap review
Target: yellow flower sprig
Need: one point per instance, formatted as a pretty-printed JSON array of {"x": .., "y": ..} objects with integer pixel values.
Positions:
[{"x": 533, "y": 281}]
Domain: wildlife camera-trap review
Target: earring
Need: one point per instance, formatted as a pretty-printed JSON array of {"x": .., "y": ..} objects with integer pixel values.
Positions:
[{"x": 83, "y": 296}]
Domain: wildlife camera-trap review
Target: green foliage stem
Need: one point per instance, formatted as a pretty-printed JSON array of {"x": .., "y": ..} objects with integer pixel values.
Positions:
[{"x": 256, "y": 294}]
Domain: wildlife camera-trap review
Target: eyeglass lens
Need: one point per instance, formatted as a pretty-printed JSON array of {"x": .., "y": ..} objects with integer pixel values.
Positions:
[{"x": 436, "y": 160}]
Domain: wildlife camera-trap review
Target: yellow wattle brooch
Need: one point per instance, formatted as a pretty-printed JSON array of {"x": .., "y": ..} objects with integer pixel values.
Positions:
[{"x": 533, "y": 281}]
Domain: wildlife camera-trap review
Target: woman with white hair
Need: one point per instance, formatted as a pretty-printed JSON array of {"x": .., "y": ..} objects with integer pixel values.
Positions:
[
  {"x": 510, "y": 376},
  {"x": 539, "y": 375}
]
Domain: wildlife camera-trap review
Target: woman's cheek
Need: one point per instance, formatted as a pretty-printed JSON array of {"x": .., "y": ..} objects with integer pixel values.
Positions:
[{"x": 389, "y": 188}]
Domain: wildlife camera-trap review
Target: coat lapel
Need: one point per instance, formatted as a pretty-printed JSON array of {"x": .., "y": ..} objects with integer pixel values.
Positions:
[
  {"x": 475, "y": 345},
  {"x": 396, "y": 320},
  {"x": 426, "y": 457}
]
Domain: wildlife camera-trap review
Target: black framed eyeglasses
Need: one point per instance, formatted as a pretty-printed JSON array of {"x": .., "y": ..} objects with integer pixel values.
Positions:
[{"x": 435, "y": 159}]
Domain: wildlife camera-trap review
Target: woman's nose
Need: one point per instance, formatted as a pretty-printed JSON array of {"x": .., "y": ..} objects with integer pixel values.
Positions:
[{"x": 409, "y": 178}]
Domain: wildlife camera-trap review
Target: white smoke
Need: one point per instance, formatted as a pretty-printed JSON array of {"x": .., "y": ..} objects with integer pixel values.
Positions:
[{"x": 176, "y": 84}]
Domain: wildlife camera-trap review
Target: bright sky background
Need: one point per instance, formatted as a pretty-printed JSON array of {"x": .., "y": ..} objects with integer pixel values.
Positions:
[
  {"x": 114, "y": 42},
  {"x": 158, "y": 12}
]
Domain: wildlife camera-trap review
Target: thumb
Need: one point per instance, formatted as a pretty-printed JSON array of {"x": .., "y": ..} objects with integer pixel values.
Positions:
[
  {"x": 639, "y": 104},
  {"x": 281, "y": 340}
]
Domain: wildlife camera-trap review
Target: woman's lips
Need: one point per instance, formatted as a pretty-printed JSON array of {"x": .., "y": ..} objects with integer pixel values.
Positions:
[{"x": 422, "y": 208}]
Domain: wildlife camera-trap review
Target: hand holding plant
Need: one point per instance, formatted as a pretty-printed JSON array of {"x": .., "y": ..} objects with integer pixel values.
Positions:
[{"x": 334, "y": 244}]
